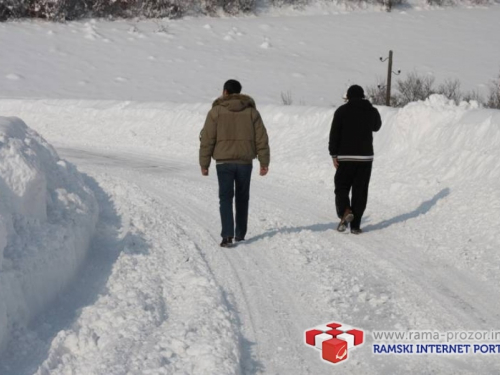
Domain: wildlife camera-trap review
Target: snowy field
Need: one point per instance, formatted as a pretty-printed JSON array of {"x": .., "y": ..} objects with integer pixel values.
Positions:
[
  {"x": 314, "y": 57},
  {"x": 144, "y": 287}
]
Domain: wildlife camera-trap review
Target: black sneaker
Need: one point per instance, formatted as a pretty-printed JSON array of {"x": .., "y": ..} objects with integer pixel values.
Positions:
[
  {"x": 346, "y": 219},
  {"x": 226, "y": 241},
  {"x": 356, "y": 231}
]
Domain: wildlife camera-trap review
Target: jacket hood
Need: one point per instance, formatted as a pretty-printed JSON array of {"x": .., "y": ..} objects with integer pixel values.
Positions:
[{"x": 235, "y": 102}]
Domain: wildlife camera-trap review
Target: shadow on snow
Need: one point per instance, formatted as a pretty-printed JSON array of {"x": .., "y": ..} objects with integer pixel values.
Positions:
[
  {"x": 29, "y": 347},
  {"x": 422, "y": 209}
]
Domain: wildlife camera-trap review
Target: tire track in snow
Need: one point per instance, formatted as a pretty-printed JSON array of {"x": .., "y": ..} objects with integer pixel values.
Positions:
[
  {"x": 278, "y": 300},
  {"x": 226, "y": 265},
  {"x": 454, "y": 284},
  {"x": 390, "y": 275},
  {"x": 447, "y": 301},
  {"x": 160, "y": 311},
  {"x": 228, "y": 273}
]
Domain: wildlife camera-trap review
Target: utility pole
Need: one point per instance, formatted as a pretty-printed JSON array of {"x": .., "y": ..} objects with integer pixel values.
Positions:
[
  {"x": 389, "y": 78},
  {"x": 389, "y": 81}
]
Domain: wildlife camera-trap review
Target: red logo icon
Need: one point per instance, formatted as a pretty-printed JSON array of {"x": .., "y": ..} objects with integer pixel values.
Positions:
[{"x": 334, "y": 340}]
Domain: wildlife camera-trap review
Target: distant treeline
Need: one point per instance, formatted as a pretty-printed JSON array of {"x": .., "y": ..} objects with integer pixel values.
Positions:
[{"x": 65, "y": 10}]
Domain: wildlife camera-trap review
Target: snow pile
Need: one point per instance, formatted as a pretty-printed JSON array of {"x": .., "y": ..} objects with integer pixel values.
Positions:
[
  {"x": 161, "y": 311},
  {"x": 435, "y": 136},
  {"x": 443, "y": 140},
  {"x": 47, "y": 217}
]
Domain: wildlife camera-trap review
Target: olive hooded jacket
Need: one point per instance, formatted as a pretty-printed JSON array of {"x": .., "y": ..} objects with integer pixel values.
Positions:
[{"x": 234, "y": 133}]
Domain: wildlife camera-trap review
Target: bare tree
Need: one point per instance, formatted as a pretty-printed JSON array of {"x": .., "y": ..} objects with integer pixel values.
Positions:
[
  {"x": 414, "y": 87},
  {"x": 451, "y": 89},
  {"x": 473, "y": 95},
  {"x": 494, "y": 95},
  {"x": 286, "y": 97},
  {"x": 377, "y": 94}
]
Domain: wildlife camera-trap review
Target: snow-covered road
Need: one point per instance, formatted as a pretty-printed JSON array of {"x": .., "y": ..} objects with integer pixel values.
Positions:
[
  {"x": 159, "y": 296},
  {"x": 176, "y": 303},
  {"x": 155, "y": 294}
]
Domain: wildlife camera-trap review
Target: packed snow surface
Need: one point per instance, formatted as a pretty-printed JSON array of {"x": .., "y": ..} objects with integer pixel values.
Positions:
[
  {"x": 159, "y": 296},
  {"x": 155, "y": 294}
]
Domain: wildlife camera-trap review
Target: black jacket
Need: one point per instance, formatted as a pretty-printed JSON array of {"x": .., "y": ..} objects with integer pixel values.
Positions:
[{"x": 351, "y": 137}]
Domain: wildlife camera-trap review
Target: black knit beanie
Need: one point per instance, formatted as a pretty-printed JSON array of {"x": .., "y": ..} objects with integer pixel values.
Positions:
[{"x": 355, "y": 92}]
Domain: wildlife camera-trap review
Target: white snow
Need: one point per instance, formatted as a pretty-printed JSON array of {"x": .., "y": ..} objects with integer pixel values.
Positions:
[
  {"x": 13, "y": 77},
  {"x": 47, "y": 218},
  {"x": 156, "y": 294},
  {"x": 330, "y": 52},
  {"x": 408, "y": 270}
]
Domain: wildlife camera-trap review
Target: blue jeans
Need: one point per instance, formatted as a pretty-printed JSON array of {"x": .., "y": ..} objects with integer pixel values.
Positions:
[{"x": 234, "y": 178}]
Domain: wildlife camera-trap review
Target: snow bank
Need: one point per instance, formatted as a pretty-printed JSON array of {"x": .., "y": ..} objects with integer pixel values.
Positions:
[
  {"x": 47, "y": 217},
  {"x": 435, "y": 137},
  {"x": 443, "y": 140},
  {"x": 161, "y": 310}
]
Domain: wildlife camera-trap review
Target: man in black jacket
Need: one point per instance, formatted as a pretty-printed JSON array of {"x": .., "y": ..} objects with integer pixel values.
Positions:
[{"x": 351, "y": 147}]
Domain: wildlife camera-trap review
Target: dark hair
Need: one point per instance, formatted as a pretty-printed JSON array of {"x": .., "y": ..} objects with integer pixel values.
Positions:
[
  {"x": 232, "y": 86},
  {"x": 355, "y": 92}
]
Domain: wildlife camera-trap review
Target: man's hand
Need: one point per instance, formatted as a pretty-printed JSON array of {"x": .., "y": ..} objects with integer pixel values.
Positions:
[
  {"x": 204, "y": 171},
  {"x": 264, "y": 170},
  {"x": 336, "y": 163}
]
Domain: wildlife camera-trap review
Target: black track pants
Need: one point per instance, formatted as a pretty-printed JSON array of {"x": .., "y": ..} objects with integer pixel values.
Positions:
[{"x": 355, "y": 176}]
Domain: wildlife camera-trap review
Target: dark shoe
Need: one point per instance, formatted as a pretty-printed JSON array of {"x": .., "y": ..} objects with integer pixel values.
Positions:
[
  {"x": 346, "y": 219},
  {"x": 238, "y": 239},
  {"x": 356, "y": 231},
  {"x": 226, "y": 242}
]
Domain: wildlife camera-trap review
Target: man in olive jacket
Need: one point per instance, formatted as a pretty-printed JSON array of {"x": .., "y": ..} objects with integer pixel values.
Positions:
[
  {"x": 233, "y": 136},
  {"x": 351, "y": 147}
]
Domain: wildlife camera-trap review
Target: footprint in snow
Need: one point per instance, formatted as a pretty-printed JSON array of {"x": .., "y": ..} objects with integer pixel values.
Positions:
[
  {"x": 14, "y": 77},
  {"x": 136, "y": 33},
  {"x": 91, "y": 33},
  {"x": 266, "y": 45},
  {"x": 236, "y": 31}
]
